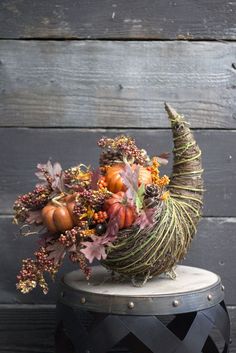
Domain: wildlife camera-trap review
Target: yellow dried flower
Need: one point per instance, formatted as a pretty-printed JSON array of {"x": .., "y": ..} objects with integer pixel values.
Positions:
[
  {"x": 165, "y": 196},
  {"x": 26, "y": 286},
  {"x": 87, "y": 232}
]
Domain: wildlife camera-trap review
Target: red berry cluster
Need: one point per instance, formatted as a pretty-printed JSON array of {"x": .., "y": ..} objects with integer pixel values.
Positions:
[
  {"x": 78, "y": 257},
  {"x": 32, "y": 271},
  {"x": 43, "y": 261},
  {"x": 36, "y": 198},
  {"x": 100, "y": 216},
  {"x": 92, "y": 198},
  {"x": 69, "y": 238},
  {"x": 79, "y": 209}
]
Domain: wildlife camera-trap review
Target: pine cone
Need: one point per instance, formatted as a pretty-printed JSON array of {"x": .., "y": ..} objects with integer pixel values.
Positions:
[
  {"x": 110, "y": 158},
  {"x": 152, "y": 190}
]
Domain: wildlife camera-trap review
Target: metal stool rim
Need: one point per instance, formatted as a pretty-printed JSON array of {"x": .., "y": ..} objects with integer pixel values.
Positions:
[{"x": 152, "y": 304}]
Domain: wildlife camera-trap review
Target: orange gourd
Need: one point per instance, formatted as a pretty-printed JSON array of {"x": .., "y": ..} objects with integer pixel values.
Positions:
[
  {"x": 114, "y": 180},
  {"x": 118, "y": 205},
  {"x": 59, "y": 217}
]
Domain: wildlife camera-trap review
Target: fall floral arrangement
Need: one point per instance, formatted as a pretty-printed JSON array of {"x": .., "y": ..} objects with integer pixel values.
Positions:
[{"x": 124, "y": 214}]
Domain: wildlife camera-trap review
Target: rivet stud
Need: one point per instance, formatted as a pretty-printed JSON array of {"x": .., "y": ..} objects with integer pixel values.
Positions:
[
  {"x": 209, "y": 297},
  {"x": 175, "y": 303},
  {"x": 131, "y": 305},
  {"x": 223, "y": 288},
  {"x": 82, "y": 300}
]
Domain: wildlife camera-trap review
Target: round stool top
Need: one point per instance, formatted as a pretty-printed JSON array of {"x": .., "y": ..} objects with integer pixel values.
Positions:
[{"x": 193, "y": 289}]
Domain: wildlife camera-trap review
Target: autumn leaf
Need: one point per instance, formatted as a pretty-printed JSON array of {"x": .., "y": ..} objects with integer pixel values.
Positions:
[
  {"x": 134, "y": 193},
  {"x": 55, "y": 172},
  {"x": 73, "y": 248},
  {"x": 42, "y": 168},
  {"x": 94, "y": 249},
  {"x": 57, "y": 251},
  {"x": 146, "y": 218},
  {"x": 94, "y": 179},
  {"x": 130, "y": 179},
  {"x": 34, "y": 217},
  {"x": 45, "y": 238},
  {"x": 112, "y": 227},
  {"x": 58, "y": 183}
]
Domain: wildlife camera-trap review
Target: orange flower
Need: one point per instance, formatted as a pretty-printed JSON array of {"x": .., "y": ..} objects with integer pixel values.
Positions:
[
  {"x": 154, "y": 170},
  {"x": 163, "y": 181}
]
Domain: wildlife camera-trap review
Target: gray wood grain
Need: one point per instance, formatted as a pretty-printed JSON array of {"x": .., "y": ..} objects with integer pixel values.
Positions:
[
  {"x": 118, "y": 19},
  {"x": 30, "y": 329},
  {"x": 213, "y": 249},
  {"x": 21, "y": 150},
  {"x": 27, "y": 329},
  {"x": 116, "y": 84}
]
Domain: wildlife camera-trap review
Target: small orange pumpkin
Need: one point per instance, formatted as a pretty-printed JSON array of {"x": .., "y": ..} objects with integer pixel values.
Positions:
[
  {"x": 60, "y": 217},
  {"x": 118, "y": 204},
  {"x": 114, "y": 180}
]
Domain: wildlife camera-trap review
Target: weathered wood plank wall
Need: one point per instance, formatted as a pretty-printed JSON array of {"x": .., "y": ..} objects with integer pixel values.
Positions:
[
  {"x": 71, "y": 71},
  {"x": 117, "y": 84},
  {"x": 146, "y": 19}
]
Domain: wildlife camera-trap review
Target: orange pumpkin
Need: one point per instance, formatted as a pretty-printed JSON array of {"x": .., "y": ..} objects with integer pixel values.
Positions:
[
  {"x": 60, "y": 217},
  {"x": 115, "y": 182},
  {"x": 118, "y": 204}
]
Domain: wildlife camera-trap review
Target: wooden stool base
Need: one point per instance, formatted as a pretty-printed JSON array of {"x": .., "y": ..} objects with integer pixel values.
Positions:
[
  {"x": 164, "y": 316},
  {"x": 80, "y": 331}
]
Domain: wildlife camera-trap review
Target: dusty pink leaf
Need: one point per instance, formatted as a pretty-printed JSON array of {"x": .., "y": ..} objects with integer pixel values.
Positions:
[
  {"x": 146, "y": 218},
  {"x": 56, "y": 169},
  {"x": 130, "y": 179},
  {"x": 112, "y": 228},
  {"x": 57, "y": 251},
  {"x": 73, "y": 248},
  {"x": 45, "y": 238},
  {"x": 58, "y": 182},
  {"x": 94, "y": 249},
  {"x": 40, "y": 176},
  {"x": 44, "y": 167},
  {"x": 55, "y": 172},
  {"x": 94, "y": 179},
  {"x": 34, "y": 217},
  {"x": 113, "y": 225},
  {"x": 49, "y": 167}
]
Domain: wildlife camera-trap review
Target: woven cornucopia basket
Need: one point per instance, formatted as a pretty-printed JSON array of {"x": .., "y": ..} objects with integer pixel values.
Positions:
[
  {"x": 137, "y": 223},
  {"x": 142, "y": 254}
]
